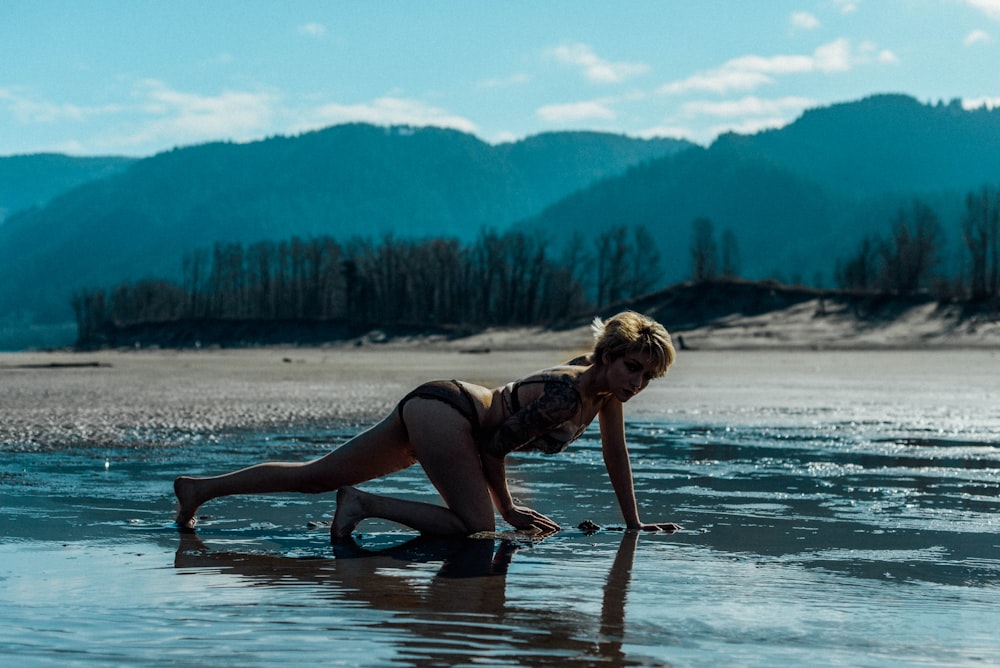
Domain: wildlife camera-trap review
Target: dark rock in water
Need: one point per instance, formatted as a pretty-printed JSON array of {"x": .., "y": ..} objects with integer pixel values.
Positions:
[{"x": 588, "y": 528}]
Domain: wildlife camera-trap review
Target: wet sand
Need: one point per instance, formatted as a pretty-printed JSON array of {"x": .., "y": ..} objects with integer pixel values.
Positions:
[
  {"x": 150, "y": 398},
  {"x": 145, "y": 398}
]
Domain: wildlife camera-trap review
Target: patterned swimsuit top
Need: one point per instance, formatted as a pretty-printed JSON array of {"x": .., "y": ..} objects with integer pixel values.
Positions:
[{"x": 549, "y": 423}]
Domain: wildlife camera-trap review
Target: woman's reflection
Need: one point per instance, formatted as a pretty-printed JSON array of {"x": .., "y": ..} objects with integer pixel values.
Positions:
[{"x": 460, "y": 613}]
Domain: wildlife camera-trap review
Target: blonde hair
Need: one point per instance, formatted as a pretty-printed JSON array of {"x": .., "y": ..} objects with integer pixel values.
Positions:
[{"x": 630, "y": 332}]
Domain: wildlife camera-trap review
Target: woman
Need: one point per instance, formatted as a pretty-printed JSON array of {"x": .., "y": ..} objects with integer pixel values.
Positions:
[{"x": 460, "y": 434}]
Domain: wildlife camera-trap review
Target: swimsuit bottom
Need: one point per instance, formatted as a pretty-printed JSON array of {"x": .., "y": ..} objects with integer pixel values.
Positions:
[{"x": 450, "y": 392}]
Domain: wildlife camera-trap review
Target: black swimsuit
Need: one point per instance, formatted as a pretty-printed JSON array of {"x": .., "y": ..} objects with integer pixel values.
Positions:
[{"x": 450, "y": 392}]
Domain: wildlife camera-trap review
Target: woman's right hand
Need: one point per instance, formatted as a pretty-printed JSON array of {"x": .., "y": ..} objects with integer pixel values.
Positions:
[{"x": 526, "y": 519}]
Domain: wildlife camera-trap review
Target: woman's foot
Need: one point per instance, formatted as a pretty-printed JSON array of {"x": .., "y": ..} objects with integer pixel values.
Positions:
[
  {"x": 350, "y": 511},
  {"x": 184, "y": 489}
]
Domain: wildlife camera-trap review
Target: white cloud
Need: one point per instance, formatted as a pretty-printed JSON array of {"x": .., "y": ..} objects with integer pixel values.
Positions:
[
  {"x": 748, "y": 73},
  {"x": 160, "y": 117},
  {"x": 671, "y": 131},
  {"x": 242, "y": 116},
  {"x": 977, "y": 37},
  {"x": 312, "y": 29},
  {"x": 182, "y": 117},
  {"x": 575, "y": 111},
  {"x": 833, "y": 57},
  {"x": 887, "y": 57},
  {"x": 749, "y": 126},
  {"x": 980, "y": 102},
  {"x": 719, "y": 81},
  {"x": 869, "y": 51},
  {"x": 707, "y": 134},
  {"x": 381, "y": 111},
  {"x": 505, "y": 82},
  {"x": 846, "y": 6},
  {"x": 772, "y": 64},
  {"x": 506, "y": 137},
  {"x": 989, "y": 7},
  {"x": 28, "y": 110},
  {"x": 748, "y": 106},
  {"x": 746, "y": 115},
  {"x": 804, "y": 21},
  {"x": 594, "y": 68}
]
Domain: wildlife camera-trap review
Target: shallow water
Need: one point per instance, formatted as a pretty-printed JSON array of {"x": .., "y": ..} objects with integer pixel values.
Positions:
[{"x": 838, "y": 510}]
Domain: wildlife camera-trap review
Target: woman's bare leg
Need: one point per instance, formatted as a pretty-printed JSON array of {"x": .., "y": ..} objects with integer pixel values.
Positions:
[
  {"x": 354, "y": 505},
  {"x": 381, "y": 450},
  {"x": 442, "y": 441}
]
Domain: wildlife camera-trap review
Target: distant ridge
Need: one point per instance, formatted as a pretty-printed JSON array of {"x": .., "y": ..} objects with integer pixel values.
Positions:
[
  {"x": 884, "y": 144},
  {"x": 799, "y": 198},
  {"x": 795, "y": 200},
  {"x": 344, "y": 181},
  {"x": 28, "y": 181}
]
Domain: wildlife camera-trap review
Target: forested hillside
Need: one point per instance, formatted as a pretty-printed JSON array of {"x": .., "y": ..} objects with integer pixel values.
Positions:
[
  {"x": 885, "y": 144},
  {"x": 886, "y": 193},
  {"x": 33, "y": 180},
  {"x": 796, "y": 200},
  {"x": 343, "y": 181}
]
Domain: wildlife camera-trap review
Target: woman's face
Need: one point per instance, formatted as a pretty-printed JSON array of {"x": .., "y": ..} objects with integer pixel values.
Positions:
[{"x": 629, "y": 375}]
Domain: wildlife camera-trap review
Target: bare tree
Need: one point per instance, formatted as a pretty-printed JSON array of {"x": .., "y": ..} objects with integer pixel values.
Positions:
[
  {"x": 911, "y": 254},
  {"x": 861, "y": 271},
  {"x": 981, "y": 236},
  {"x": 730, "y": 254},
  {"x": 194, "y": 270},
  {"x": 704, "y": 251},
  {"x": 502, "y": 279},
  {"x": 644, "y": 267},
  {"x": 612, "y": 252}
]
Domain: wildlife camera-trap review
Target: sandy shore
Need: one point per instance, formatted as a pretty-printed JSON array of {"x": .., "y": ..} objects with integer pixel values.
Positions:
[
  {"x": 54, "y": 400},
  {"x": 820, "y": 325},
  {"x": 146, "y": 398}
]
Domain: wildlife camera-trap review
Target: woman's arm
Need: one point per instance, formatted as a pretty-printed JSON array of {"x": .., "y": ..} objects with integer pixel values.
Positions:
[
  {"x": 616, "y": 460},
  {"x": 496, "y": 478},
  {"x": 518, "y": 517}
]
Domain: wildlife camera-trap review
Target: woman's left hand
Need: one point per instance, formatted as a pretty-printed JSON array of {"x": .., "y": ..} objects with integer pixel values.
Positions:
[
  {"x": 524, "y": 519},
  {"x": 667, "y": 527}
]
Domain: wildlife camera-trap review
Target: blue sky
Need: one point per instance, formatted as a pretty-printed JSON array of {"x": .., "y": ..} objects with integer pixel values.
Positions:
[{"x": 135, "y": 77}]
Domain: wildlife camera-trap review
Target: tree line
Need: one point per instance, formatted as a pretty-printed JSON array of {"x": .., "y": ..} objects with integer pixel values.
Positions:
[
  {"x": 908, "y": 258},
  {"x": 904, "y": 261},
  {"x": 512, "y": 278}
]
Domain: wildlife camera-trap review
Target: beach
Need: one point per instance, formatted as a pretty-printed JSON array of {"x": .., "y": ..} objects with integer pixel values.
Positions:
[
  {"x": 148, "y": 397},
  {"x": 148, "y": 394},
  {"x": 839, "y": 509}
]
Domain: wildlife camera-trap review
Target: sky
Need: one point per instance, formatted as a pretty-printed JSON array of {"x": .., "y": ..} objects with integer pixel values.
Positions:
[{"x": 137, "y": 77}]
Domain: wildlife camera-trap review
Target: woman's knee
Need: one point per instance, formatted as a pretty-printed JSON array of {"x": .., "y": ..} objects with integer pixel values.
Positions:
[
  {"x": 476, "y": 519},
  {"x": 477, "y": 526}
]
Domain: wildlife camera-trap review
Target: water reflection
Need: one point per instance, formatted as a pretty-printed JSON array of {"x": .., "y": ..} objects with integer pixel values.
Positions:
[
  {"x": 460, "y": 615},
  {"x": 857, "y": 503}
]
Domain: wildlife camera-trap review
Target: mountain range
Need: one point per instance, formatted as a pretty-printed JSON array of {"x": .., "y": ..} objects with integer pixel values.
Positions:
[
  {"x": 344, "y": 181},
  {"x": 795, "y": 199},
  {"x": 799, "y": 198},
  {"x": 31, "y": 181}
]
